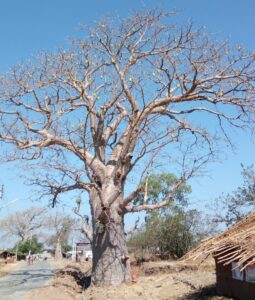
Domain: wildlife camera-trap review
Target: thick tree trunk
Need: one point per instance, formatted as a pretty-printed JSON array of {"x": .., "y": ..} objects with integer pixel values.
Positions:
[
  {"x": 111, "y": 265},
  {"x": 26, "y": 235},
  {"x": 58, "y": 251}
]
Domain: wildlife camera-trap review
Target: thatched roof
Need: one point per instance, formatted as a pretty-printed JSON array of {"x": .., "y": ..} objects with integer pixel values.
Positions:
[
  {"x": 5, "y": 253},
  {"x": 234, "y": 245}
]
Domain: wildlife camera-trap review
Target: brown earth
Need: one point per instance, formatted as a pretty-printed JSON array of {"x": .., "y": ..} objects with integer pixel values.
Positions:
[{"x": 161, "y": 280}]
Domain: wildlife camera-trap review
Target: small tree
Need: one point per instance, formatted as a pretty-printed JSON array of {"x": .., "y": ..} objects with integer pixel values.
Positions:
[
  {"x": 130, "y": 92},
  {"x": 170, "y": 234},
  {"x": 172, "y": 230}
]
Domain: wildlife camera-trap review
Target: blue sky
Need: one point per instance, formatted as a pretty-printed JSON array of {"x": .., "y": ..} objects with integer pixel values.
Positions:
[{"x": 29, "y": 26}]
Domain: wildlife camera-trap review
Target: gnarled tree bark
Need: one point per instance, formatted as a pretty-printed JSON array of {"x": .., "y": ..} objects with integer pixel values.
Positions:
[{"x": 111, "y": 265}]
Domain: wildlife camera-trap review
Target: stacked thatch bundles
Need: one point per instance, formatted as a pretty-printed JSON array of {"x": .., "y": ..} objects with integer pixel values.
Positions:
[{"x": 234, "y": 245}]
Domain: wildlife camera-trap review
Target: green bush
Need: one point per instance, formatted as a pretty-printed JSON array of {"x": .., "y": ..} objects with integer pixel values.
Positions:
[
  {"x": 66, "y": 248},
  {"x": 172, "y": 230},
  {"x": 167, "y": 235}
]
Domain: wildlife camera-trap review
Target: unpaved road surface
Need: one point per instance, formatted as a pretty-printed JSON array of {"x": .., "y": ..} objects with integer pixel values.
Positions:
[{"x": 14, "y": 285}]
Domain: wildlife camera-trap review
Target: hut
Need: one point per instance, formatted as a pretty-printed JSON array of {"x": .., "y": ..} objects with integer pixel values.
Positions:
[
  {"x": 234, "y": 254},
  {"x": 7, "y": 256}
]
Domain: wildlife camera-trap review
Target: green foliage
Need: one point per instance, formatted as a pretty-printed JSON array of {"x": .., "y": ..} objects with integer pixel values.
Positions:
[
  {"x": 172, "y": 230},
  {"x": 66, "y": 248},
  {"x": 170, "y": 234},
  {"x": 159, "y": 186},
  {"x": 31, "y": 245}
]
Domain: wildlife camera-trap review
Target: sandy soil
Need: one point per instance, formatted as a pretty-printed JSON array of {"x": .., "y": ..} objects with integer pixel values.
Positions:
[{"x": 156, "y": 280}]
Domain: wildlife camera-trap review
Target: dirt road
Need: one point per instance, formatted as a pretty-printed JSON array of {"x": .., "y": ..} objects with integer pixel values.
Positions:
[{"x": 27, "y": 277}]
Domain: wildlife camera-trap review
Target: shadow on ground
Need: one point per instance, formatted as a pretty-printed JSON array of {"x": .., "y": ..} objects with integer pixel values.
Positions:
[{"x": 205, "y": 293}]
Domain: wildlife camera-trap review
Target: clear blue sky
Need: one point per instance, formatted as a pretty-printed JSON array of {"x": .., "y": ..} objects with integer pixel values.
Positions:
[{"x": 29, "y": 26}]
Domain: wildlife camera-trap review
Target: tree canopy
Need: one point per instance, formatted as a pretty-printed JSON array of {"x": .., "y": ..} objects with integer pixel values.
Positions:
[
  {"x": 168, "y": 235},
  {"x": 23, "y": 224},
  {"x": 155, "y": 188},
  {"x": 31, "y": 246},
  {"x": 124, "y": 91},
  {"x": 172, "y": 230}
]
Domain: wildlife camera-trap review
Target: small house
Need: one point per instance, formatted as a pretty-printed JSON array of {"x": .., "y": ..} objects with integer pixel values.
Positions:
[
  {"x": 234, "y": 254},
  {"x": 7, "y": 256},
  {"x": 83, "y": 250}
]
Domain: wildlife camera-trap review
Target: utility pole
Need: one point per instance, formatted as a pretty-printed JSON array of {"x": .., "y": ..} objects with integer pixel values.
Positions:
[
  {"x": 2, "y": 192},
  {"x": 17, "y": 249}
]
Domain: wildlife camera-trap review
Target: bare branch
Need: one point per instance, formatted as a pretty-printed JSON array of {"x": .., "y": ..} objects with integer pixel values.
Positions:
[{"x": 85, "y": 226}]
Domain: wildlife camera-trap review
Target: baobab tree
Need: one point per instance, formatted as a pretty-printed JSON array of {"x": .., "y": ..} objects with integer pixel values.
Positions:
[
  {"x": 129, "y": 94},
  {"x": 61, "y": 226}
]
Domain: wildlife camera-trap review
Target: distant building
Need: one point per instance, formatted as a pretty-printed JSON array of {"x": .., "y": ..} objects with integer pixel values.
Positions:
[
  {"x": 234, "y": 254},
  {"x": 8, "y": 256},
  {"x": 83, "y": 250},
  {"x": 47, "y": 253}
]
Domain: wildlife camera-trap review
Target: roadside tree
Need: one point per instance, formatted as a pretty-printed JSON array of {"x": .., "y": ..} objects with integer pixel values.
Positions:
[
  {"x": 60, "y": 226},
  {"x": 32, "y": 246}
]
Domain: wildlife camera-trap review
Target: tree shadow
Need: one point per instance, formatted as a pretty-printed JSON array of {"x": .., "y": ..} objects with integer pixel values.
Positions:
[{"x": 204, "y": 293}]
